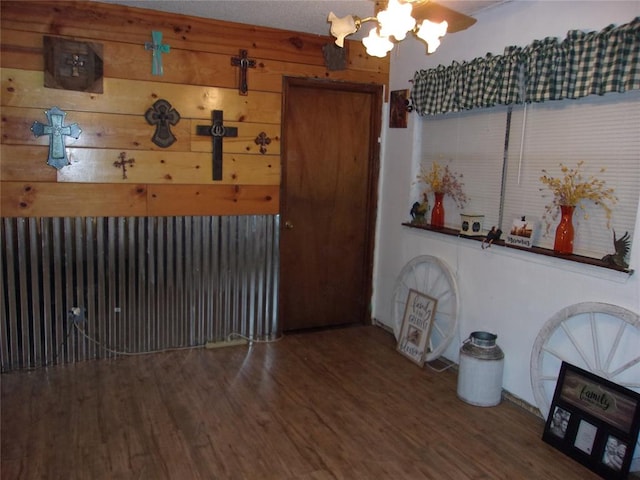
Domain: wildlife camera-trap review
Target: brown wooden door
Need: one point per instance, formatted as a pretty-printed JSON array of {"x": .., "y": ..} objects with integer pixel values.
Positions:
[{"x": 329, "y": 188}]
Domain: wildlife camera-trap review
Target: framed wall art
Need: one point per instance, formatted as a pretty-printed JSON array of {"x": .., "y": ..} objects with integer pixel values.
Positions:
[
  {"x": 522, "y": 233},
  {"x": 73, "y": 65},
  {"x": 594, "y": 421},
  {"x": 398, "y": 108},
  {"x": 418, "y": 317}
]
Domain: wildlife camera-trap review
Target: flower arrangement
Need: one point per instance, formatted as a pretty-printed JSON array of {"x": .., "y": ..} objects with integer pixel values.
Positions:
[
  {"x": 443, "y": 180},
  {"x": 572, "y": 189}
]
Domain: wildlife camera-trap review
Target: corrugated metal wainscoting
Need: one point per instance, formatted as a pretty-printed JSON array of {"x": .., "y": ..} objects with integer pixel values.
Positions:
[{"x": 137, "y": 285}]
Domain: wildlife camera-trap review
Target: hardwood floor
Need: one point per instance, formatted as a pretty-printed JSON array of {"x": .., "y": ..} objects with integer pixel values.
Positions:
[{"x": 336, "y": 404}]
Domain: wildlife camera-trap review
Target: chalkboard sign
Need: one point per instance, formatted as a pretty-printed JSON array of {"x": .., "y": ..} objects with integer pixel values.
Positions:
[{"x": 419, "y": 312}]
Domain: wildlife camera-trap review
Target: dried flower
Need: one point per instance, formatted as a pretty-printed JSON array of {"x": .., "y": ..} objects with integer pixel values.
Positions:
[
  {"x": 442, "y": 180},
  {"x": 572, "y": 190}
]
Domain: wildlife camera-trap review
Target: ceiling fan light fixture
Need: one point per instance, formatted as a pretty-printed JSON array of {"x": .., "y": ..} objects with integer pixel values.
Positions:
[
  {"x": 431, "y": 33},
  {"x": 396, "y": 20},
  {"x": 377, "y": 45},
  {"x": 400, "y": 17}
]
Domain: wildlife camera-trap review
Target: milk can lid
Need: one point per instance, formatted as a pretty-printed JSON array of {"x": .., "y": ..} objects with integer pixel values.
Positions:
[{"x": 483, "y": 339}]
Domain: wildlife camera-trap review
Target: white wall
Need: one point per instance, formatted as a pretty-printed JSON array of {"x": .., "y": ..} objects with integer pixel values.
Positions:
[{"x": 501, "y": 290}]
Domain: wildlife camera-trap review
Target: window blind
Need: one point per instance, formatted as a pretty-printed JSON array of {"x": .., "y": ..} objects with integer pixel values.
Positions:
[
  {"x": 472, "y": 144},
  {"x": 601, "y": 131}
]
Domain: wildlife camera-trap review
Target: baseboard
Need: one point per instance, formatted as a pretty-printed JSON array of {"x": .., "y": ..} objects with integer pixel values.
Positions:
[
  {"x": 510, "y": 397},
  {"x": 378, "y": 323},
  {"x": 443, "y": 363},
  {"x": 226, "y": 343}
]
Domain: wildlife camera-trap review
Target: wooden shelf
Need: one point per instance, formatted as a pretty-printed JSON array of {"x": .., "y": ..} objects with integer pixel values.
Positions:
[{"x": 535, "y": 250}]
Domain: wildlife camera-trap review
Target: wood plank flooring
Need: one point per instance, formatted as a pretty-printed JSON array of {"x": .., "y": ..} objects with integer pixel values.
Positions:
[{"x": 335, "y": 404}]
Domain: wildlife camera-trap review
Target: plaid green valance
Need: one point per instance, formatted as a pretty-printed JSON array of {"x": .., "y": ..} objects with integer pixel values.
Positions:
[{"x": 582, "y": 64}]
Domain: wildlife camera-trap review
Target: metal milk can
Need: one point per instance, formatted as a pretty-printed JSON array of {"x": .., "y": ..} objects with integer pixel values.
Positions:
[{"x": 480, "y": 370}]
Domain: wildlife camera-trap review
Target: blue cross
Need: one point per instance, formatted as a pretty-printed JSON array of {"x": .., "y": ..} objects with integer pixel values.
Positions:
[
  {"x": 158, "y": 49},
  {"x": 56, "y": 131}
]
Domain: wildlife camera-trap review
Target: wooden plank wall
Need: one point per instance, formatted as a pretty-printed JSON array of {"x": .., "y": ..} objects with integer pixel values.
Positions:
[{"x": 198, "y": 78}]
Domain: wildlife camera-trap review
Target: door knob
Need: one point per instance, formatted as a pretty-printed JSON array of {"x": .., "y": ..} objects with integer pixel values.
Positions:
[{"x": 288, "y": 225}]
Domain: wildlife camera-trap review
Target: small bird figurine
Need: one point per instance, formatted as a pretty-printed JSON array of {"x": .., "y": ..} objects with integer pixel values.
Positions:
[
  {"x": 414, "y": 210},
  {"x": 622, "y": 246},
  {"x": 419, "y": 210},
  {"x": 493, "y": 235}
]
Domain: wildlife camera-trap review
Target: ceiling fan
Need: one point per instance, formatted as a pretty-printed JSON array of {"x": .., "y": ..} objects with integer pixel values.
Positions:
[
  {"x": 428, "y": 20},
  {"x": 426, "y": 9}
]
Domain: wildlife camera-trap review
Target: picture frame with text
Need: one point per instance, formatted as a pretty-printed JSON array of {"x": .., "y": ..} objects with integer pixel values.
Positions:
[
  {"x": 594, "y": 421},
  {"x": 419, "y": 312}
]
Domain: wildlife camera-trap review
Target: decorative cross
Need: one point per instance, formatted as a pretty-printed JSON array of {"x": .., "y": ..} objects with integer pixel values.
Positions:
[
  {"x": 243, "y": 62},
  {"x": 217, "y": 131},
  {"x": 76, "y": 64},
  {"x": 162, "y": 115},
  {"x": 56, "y": 131},
  {"x": 158, "y": 49},
  {"x": 262, "y": 140},
  {"x": 122, "y": 163}
]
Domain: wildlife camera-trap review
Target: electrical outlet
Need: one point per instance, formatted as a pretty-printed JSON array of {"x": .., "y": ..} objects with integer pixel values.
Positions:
[{"x": 77, "y": 314}]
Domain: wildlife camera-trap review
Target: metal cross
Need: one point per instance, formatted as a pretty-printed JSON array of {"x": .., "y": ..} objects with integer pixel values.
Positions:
[
  {"x": 158, "y": 49},
  {"x": 56, "y": 131},
  {"x": 162, "y": 115},
  {"x": 217, "y": 131},
  {"x": 263, "y": 141},
  {"x": 76, "y": 64},
  {"x": 243, "y": 62},
  {"x": 122, "y": 163}
]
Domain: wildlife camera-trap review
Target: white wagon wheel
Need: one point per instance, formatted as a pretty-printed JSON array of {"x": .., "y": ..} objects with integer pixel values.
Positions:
[
  {"x": 597, "y": 337},
  {"x": 433, "y": 277}
]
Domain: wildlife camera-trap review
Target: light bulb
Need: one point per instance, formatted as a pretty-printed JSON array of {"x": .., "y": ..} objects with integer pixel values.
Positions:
[
  {"x": 431, "y": 32},
  {"x": 377, "y": 46},
  {"x": 341, "y": 27},
  {"x": 396, "y": 20}
]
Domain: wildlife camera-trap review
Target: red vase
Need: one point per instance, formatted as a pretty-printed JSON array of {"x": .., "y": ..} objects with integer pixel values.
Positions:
[
  {"x": 437, "y": 213},
  {"x": 564, "y": 232}
]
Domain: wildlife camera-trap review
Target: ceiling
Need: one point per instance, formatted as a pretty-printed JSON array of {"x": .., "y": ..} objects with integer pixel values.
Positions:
[{"x": 309, "y": 16}]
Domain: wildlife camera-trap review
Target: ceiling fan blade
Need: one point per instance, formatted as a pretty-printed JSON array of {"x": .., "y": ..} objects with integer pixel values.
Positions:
[
  {"x": 437, "y": 13},
  {"x": 426, "y": 9}
]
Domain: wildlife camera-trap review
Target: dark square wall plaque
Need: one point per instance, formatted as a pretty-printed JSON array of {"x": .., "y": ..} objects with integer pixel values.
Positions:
[{"x": 71, "y": 65}]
